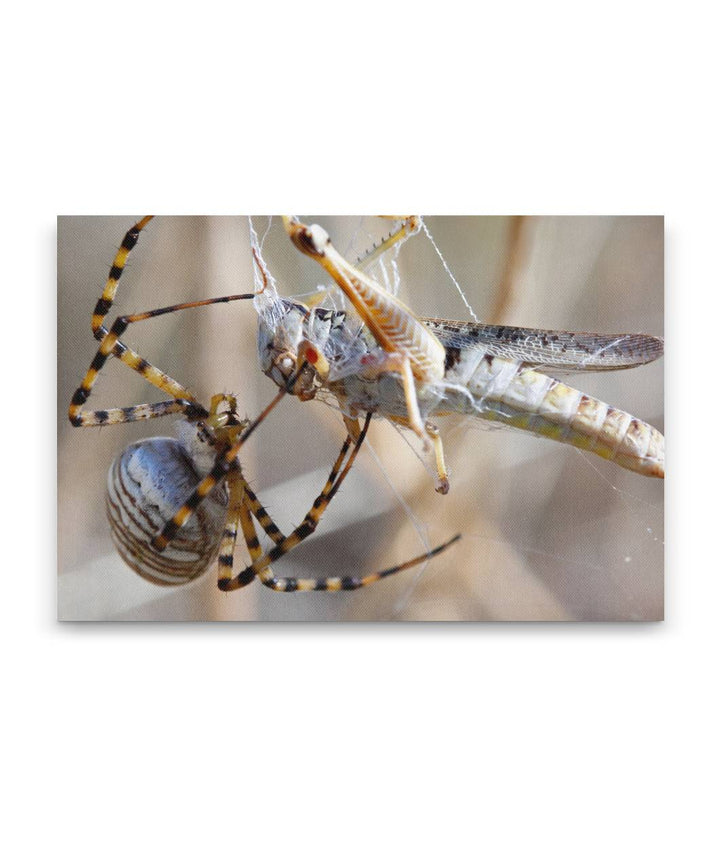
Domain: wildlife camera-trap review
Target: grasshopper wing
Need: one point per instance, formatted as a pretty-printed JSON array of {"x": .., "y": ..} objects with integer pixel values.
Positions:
[{"x": 555, "y": 349}]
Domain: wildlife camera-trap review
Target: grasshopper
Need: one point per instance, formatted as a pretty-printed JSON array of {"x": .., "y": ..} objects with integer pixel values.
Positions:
[{"x": 383, "y": 359}]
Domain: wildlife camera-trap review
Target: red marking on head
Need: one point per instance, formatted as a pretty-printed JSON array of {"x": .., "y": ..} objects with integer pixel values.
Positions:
[{"x": 311, "y": 355}]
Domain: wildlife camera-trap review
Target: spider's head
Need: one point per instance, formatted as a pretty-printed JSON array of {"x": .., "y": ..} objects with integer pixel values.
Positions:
[{"x": 280, "y": 336}]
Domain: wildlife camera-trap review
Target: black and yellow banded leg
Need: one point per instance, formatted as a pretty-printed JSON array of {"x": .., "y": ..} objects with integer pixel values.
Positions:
[
  {"x": 183, "y": 398},
  {"x": 290, "y": 584},
  {"x": 184, "y": 401},
  {"x": 112, "y": 346},
  {"x": 308, "y": 526},
  {"x": 237, "y": 512},
  {"x": 241, "y": 510},
  {"x": 261, "y": 568},
  {"x": 260, "y": 513},
  {"x": 250, "y": 534},
  {"x": 137, "y": 412},
  {"x": 251, "y": 507},
  {"x": 105, "y": 302},
  {"x": 262, "y": 516},
  {"x": 243, "y": 505}
]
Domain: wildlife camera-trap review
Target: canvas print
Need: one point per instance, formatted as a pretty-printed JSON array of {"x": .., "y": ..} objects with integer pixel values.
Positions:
[{"x": 360, "y": 418}]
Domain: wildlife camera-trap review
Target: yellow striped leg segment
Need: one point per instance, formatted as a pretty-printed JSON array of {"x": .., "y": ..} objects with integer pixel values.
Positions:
[
  {"x": 260, "y": 512},
  {"x": 283, "y": 544},
  {"x": 351, "y": 583},
  {"x": 261, "y": 515},
  {"x": 291, "y": 584},
  {"x": 111, "y": 345},
  {"x": 105, "y": 302},
  {"x": 104, "y": 305},
  {"x": 240, "y": 510},
  {"x": 261, "y": 567},
  {"x": 236, "y": 512},
  {"x": 242, "y": 503},
  {"x": 249, "y": 533}
]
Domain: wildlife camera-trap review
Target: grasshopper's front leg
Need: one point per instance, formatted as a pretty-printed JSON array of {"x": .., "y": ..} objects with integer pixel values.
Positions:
[{"x": 410, "y": 348}]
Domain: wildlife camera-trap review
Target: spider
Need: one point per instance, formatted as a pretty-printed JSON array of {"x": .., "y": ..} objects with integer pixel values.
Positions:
[{"x": 175, "y": 504}]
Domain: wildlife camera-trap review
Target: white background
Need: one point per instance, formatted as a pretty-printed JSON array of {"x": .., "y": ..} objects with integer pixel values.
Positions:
[{"x": 357, "y": 739}]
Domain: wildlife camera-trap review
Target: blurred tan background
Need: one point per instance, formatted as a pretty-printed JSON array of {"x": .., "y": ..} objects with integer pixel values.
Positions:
[{"x": 549, "y": 533}]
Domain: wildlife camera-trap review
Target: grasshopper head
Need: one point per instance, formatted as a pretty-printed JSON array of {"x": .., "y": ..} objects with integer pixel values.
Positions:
[
  {"x": 280, "y": 338},
  {"x": 311, "y": 240}
]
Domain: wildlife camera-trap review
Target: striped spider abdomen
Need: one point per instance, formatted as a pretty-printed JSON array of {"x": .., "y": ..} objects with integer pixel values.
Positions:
[{"x": 147, "y": 483}]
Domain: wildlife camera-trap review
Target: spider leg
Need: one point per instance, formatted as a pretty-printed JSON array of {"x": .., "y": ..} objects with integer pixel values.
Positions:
[
  {"x": 184, "y": 401},
  {"x": 105, "y": 302},
  {"x": 290, "y": 584},
  {"x": 110, "y": 344},
  {"x": 241, "y": 510},
  {"x": 250, "y": 504},
  {"x": 261, "y": 514},
  {"x": 100, "y": 331},
  {"x": 238, "y": 511},
  {"x": 249, "y": 533},
  {"x": 337, "y": 475},
  {"x": 307, "y": 527},
  {"x": 262, "y": 567}
]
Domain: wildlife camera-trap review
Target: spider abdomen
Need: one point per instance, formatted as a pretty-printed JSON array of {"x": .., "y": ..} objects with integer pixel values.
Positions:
[{"x": 147, "y": 483}]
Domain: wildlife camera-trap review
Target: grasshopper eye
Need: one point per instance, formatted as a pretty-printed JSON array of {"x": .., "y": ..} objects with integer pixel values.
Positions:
[{"x": 319, "y": 238}]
